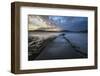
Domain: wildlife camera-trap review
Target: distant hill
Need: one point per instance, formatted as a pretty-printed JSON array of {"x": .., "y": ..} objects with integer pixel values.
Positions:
[{"x": 42, "y": 30}]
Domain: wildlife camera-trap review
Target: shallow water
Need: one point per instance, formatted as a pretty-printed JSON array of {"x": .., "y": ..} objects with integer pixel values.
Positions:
[{"x": 60, "y": 48}]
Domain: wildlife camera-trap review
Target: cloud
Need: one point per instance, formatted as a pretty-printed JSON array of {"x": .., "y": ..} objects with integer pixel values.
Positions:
[{"x": 70, "y": 22}]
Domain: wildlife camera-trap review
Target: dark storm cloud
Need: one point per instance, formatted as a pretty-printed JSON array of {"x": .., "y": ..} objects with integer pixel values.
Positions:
[{"x": 70, "y": 23}]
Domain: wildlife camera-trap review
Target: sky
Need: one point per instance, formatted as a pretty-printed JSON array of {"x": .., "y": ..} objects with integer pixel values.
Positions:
[{"x": 70, "y": 22}]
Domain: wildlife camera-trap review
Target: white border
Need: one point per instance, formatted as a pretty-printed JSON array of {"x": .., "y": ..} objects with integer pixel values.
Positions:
[{"x": 25, "y": 64}]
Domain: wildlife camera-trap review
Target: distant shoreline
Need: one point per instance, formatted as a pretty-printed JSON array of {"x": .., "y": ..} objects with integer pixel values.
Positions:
[{"x": 60, "y": 31}]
